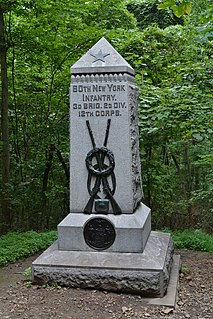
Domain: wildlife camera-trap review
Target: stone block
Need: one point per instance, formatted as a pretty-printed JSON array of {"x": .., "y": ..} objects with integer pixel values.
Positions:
[
  {"x": 131, "y": 231},
  {"x": 144, "y": 273}
]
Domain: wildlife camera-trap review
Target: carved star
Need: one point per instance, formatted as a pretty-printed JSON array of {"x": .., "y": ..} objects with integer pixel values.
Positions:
[{"x": 100, "y": 56}]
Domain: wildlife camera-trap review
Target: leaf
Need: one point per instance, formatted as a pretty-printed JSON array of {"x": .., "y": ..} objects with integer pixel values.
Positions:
[
  {"x": 177, "y": 10},
  {"x": 187, "y": 7},
  {"x": 124, "y": 309},
  {"x": 166, "y": 311},
  {"x": 198, "y": 137},
  {"x": 153, "y": 130},
  {"x": 166, "y": 4}
]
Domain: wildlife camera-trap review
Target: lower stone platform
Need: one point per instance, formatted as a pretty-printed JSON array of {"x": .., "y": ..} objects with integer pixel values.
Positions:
[{"x": 144, "y": 273}]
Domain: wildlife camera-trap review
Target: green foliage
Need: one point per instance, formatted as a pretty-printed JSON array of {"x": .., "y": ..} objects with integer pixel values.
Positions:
[
  {"x": 179, "y": 8},
  {"x": 172, "y": 58},
  {"x": 147, "y": 13},
  {"x": 194, "y": 240},
  {"x": 174, "y": 71},
  {"x": 44, "y": 38},
  {"x": 28, "y": 283},
  {"x": 14, "y": 246},
  {"x": 176, "y": 123},
  {"x": 185, "y": 269},
  {"x": 28, "y": 272},
  {"x": 191, "y": 239}
]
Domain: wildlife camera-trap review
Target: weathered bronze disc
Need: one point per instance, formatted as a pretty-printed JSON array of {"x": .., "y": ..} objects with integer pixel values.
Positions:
[{"x": 99, "y": 233}]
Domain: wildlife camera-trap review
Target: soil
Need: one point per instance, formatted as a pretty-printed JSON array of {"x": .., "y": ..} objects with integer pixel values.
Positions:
[{"x": 195, "y": 298}]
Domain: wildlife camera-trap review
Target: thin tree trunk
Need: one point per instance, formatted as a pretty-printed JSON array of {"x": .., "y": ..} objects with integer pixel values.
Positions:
[
  {"x": 189, "y": 185},
  {"x": 66, "y": 170},
  {"x": 4, "y": 129},
  {"x": 45, "y": 214},
  {"x": 149, "y": 195},
  {"x": 180, "y": 176}
]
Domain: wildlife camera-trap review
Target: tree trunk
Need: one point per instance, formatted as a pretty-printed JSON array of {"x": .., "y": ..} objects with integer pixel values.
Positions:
[
  {"x": 182, "y": 183},
  {"x": 149, "y": 186},
  {"x": 5, "y": 218}
]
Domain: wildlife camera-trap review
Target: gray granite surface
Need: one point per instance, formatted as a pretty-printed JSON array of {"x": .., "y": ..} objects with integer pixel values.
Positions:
[
  {"x": 132, "y": 231},
  {"x": 144, "y": 273},
  {"x": 102, "y": 54}
]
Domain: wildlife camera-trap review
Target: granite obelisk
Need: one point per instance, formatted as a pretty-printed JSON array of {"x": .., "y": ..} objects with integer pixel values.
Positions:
[{"x": 105, "y": 241}]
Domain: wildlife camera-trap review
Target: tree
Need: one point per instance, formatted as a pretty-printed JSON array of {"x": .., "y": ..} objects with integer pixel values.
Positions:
[
  {"x": 147, "y": 13},
  {"x": 173, "y": 69},
  {"x": 5, "y": 207},
  {"x": 45, "y": 38}
]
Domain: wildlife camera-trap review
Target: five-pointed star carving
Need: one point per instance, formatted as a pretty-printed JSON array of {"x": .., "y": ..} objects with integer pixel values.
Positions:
[{"x": 100, "y": 56}]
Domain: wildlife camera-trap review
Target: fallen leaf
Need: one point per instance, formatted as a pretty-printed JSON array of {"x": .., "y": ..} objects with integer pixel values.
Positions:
[
  {"x": 166, "y": 311},
  {"x": 124, "y": 309}
]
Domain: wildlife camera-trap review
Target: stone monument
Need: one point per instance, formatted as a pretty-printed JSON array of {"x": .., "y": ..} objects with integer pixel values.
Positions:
[{"x": 105, "y": 242}]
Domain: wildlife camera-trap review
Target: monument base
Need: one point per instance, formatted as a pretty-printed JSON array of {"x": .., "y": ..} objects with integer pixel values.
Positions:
[
  {"x": 144, "y": 273},
  {"x": 132, "y": 231}
]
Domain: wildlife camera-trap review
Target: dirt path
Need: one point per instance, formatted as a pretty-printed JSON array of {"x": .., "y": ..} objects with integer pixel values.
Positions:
[{"x": 18, "y": 301}]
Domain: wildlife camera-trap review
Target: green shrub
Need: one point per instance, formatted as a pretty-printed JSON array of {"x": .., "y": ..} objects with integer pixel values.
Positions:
[
  {"x": 192, "y": 239},
  {"x": 14, "y": 246}
]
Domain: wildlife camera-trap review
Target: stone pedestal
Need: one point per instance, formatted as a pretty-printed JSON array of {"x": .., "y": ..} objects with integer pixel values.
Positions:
[
  {"x": 131, "y": 231},
  {"x": 144, "y": 273}
]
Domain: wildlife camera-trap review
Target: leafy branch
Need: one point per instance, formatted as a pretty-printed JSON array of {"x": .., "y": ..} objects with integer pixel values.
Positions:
[{"x": 179, "y": 8}]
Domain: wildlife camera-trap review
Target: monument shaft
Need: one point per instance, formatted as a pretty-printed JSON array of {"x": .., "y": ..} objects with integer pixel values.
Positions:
[{"x": 96, "y": 99}]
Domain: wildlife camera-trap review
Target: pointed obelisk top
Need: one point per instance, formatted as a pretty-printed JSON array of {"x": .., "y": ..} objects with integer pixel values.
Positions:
[{"x": 101, "y": 58}]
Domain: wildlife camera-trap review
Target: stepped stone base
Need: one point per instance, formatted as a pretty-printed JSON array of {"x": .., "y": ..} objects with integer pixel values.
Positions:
[{"x": 144, "y": 273}]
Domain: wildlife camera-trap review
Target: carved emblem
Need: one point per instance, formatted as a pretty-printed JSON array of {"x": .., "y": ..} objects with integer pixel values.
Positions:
[
  {"x": 100, "y": 56},
  {"x": 100, "y": 164},
  {"x": 99, "y": 233}
]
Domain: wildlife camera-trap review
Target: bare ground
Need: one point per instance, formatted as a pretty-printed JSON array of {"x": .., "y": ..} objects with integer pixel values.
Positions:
[{"x": 19, "y": 301}]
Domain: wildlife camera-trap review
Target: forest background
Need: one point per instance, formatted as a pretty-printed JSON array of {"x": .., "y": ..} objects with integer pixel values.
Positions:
[{"x": 169, "y": 44}]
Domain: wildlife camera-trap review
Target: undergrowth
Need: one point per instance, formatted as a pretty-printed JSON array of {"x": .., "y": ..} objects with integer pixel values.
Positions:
[
  {"x": 192, "y": 239},
  {"x": 15, "y": 246}
]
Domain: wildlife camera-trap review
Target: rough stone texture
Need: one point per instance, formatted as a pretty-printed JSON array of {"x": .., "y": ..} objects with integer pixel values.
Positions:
[
  {"x": 144, "y": 273},
  {"x": 134, "y": 133},
  {"x": 134, "y": 282},
  {"x": 132, "y": 231},
  {"x": 167, "y": 266}
]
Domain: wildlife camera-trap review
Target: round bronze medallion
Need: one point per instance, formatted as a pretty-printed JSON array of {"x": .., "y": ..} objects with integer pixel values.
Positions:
[{"x": 99, "y": 233}]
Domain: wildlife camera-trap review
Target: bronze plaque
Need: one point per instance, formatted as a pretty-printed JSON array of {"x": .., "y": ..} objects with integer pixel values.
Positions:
[{"x": 99, "y": 233}]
